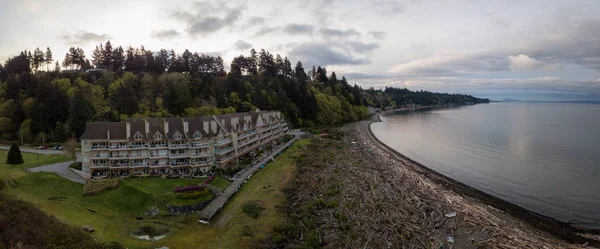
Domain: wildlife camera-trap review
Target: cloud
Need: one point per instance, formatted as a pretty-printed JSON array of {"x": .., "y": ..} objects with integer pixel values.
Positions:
[
  {"x": 524, "y": 62},
  {"x": 387, "y": 7},
  {"x": 360, "y": 47},
  {"x": 84, "y": 37},
  {"x": 299, "y": 29},
  {"x": 338, "y": 33},
  {"x": 255, "y": 20},
  {"x": 265, "y": 31},
  {"x": 318, "y": 54},
  {"x": 165, "y": 34},
  {"x": 208, "y": 17},
  {"x": 452, "y": 64},
  {"x": 380, "y": 35},
  {"x": 242, "y": 45}
]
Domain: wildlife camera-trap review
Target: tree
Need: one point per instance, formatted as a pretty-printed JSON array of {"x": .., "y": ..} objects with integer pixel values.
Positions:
[
  {"x": 14, "y": 155},
  {"x": 72, "y": 145},
  {"x": 80, "y": 112},
  {"x": 48, "y": 58},
  {"x": 107, "y": 56}
]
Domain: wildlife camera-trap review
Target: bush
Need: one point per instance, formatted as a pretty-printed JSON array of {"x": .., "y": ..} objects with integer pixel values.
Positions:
[
  {"x": 94, "y": 187},
  {"x": 76, "y": 165},
  {"x": 14, "y": 155},
  {"x": 193, "y": 194},
  {"x": 252, "y": 209}
]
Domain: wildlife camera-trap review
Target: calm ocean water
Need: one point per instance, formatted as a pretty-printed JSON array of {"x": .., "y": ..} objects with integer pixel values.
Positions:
[{"x": 544, "y": 157}]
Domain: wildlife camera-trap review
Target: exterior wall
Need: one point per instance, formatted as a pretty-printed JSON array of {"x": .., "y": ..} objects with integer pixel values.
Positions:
[{"x": 140, "y": 157}]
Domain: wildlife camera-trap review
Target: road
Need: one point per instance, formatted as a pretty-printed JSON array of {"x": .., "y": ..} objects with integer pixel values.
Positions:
[
  {"x": 33, "y": 150},
  {"x": 61, "y": 169}
]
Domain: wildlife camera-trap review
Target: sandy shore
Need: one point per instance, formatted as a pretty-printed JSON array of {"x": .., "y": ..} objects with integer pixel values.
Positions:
[{"x": 480, "y": 218}]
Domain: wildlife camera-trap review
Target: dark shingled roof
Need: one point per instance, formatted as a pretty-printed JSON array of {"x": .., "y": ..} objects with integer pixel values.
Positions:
[
  {"x": 197, "y": 124},
  {"x": 230, "y": 126},
  {"x": 175, "y": 124},
  {"x": 156, "y": 124},
  {"x": 95, "y": 130},
  {"x": 254, "y": 116},
  {"x": 117, "y": 130},
  {"x": 135, "y": 125}
]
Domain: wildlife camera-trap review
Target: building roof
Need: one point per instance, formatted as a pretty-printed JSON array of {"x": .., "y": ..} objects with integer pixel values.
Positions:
[
  {"x": 136, "y": 125},
  {"x": 175, "y": 125},
  {"x": 117, "y": 130},
  {"x": 155, "y": 125},
  {"x": 95, "y": 130}
]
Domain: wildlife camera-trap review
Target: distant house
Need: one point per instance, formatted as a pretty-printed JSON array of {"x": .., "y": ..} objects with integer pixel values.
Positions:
[
  {"x": 176, "y": 146},
  {"x": 95, "y": 70}
]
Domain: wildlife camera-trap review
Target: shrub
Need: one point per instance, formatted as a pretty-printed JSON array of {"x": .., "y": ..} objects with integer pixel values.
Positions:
[
  {"x": 76, "y": 165},
  {"x": 14, "y": 155},
  {"x": 94, "y": 187},
  {"x": 252, "y": 209},
  {"x": 193, "y": 194}
]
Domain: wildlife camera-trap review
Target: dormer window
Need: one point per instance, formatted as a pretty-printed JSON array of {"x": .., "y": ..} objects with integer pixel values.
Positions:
[
  {"x": 177, "y": 136},
  {"x": 157, "y": 136},
  {"x": 197, "y": 135},
  {"x": 138, "y": 136}
]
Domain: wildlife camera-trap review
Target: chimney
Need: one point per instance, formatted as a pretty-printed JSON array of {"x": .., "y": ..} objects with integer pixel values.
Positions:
[
  {"x": 186, "y": 127},
  {"x": 257, "y": 110},
  {"x": 146, "y": 126},
  {"x": 205, "y": 127},
  {"x": 213, "y": 126},
  {"x": 128, "y": 129},
  {"x": 166, "y": 127}
]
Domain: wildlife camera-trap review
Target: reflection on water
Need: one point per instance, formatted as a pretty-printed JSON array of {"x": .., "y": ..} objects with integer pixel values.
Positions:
[{"x": 543, "y": 157}]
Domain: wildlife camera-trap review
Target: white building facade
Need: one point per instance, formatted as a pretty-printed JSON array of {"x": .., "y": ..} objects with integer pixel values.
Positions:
[{"x": 176, "y": 146}]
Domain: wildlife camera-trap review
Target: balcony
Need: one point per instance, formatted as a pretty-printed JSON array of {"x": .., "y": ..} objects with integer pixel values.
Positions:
[
  {"x": 99, "y": 166},
  {"x": 247, "y": 135},
  {"x": 159, "y": 155},
  {"x": 158, "y": 146},
  {"x": 199, "y": 145},
  {"x": 178, "y": 155},
  {"x": 248, "y": 141},
  {"x": 99, "y": 147},
  {"x": 206, "y": 154},
  {"x": 178, "y": 146},
  {"x": 98, "y": 156},
  {"x": 180, "y": 164},
  {"x": 159, "y": 164},
  {"x": 223, "y": 142},
  {"x": 223, "y": 151},
  {"x": 138, "y": 156}
]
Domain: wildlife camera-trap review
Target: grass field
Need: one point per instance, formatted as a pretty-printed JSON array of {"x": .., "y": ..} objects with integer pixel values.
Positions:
[{"x": 113, "y": 213}]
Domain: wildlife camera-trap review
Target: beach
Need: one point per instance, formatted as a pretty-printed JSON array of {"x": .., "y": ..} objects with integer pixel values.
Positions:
[{"x": 451, "y": 211}]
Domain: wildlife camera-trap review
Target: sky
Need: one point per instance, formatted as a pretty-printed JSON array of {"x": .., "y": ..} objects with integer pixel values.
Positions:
[{"x": 521, "y": 49}]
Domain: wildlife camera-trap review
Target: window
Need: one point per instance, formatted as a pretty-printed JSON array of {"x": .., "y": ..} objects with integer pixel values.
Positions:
[
  {"x": 197, "y": 135},
  {"x": 177, "y": 136},
  {"x": 138, "y": 136},
  {"x": 157, "y": 136}
]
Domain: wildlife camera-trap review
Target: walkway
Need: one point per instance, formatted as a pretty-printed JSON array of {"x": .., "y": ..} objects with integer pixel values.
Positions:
[
  {"x": 217, "y": 204},
  {"x": 61, "y": 169}
]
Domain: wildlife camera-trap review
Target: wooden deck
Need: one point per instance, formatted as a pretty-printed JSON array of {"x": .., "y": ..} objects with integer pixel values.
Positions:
[{"x": 218, "y": 203}]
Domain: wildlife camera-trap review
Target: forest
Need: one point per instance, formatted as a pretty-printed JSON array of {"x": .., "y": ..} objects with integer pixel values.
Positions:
[{"x": 42, "y": 99}]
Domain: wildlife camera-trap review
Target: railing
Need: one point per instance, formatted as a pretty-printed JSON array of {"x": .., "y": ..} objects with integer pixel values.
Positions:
[
  {"x": 158, "y": 146},
  {"x": 101, "y": 147},
  {"x": 247, "y": 134},
  {"x": 178, "y": 146},
  {"x": 180, "y": 164},
  {"x": 223, "y": 151},
  {"x": 99, "y": 165},
  {"x": 249, "y": 141},
  {"x": 159, "y": 164},
  {"x": 223, "y": 142},
  {"x": 198, "y": 145},
  {"x": 200, "y": 163},
  {"x": 158, "y": 155},
  {"x": 199, "y": 154},
  {"x": 178, "y": 155}
]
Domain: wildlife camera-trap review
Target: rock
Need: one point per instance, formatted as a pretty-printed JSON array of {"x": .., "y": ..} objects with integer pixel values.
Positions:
[{"x": 88, "y": 229}]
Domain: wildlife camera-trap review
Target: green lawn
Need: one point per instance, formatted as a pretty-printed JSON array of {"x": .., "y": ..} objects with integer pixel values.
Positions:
[
  {"x": 113, "y": 213},
  {"x": 30, "y": 161}
]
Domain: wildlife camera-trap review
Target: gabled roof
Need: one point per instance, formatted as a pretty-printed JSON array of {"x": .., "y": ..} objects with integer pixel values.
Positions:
[
  {"x": 175, "y": 125},
  {"x": 156, "y": 125},
  {"x": 95, "y": 131},
  {"x": 136, "y": 125},
  {"x": 197, "y": 124}
]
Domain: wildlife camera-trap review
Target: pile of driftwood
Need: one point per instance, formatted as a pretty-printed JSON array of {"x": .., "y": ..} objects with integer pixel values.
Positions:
[{"x": 362, "y": 196}]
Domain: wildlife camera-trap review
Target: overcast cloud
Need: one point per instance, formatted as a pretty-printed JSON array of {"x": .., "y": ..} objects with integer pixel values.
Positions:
[{"x": 535, "y": 49}]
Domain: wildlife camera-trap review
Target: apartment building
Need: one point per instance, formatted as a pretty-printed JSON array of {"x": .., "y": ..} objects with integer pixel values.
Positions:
[{"x": 179, "y": 146}]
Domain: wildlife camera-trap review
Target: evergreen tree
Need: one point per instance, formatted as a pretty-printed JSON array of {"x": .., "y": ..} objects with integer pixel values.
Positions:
[
  {"x": 14, "y": 155},
  {"x": 80, "y": 112},
  {"x": 48, "y": 58}
]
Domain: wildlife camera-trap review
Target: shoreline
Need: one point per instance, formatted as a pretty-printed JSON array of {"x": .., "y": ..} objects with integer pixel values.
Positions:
[{"x": 550, "y": 225}]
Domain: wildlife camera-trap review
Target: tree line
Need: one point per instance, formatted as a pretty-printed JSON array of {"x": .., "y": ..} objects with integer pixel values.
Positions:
[{"x": 38, "y": 103}]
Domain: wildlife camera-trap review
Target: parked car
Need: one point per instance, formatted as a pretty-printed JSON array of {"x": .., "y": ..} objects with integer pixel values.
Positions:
[
  {"x": 55, "y": 147},
  {"x": 60, "y": 147},
  {"x": 43, "y": 147}
]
